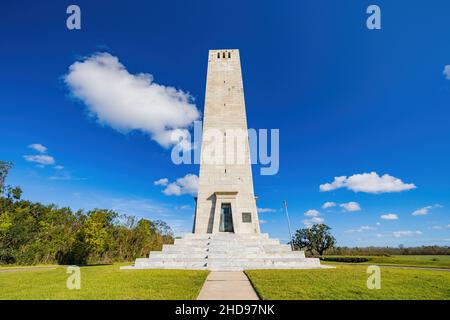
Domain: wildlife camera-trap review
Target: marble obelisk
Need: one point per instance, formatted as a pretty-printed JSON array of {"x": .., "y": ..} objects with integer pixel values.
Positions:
[{"x": 225, "y": 201}]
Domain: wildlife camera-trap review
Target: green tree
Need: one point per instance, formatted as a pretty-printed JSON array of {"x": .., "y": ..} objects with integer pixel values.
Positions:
[
  {"x": 5, "y": 166},
  {"x": 8, "y": 194},
  {"x": 316, "y": 239},
  {"x": 97, "y": 230},
  {"x": 164, "y": 230}
]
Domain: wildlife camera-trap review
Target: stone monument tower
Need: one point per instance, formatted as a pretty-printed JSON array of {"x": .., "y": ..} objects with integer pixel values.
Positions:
[
  {"x": 225, "y": 202},
  {"x": 226, "y": 233}
]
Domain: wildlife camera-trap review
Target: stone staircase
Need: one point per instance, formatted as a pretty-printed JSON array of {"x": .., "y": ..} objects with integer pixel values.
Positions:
[{"x": 226, "y": 252}]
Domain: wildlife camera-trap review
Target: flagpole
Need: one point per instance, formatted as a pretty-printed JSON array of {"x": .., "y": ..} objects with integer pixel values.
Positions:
[{"x": 289, "y": 223}]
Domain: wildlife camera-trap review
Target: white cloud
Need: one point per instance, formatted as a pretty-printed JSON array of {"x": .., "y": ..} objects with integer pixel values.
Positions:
[
  {"x": 184, "y": 207},
  {"x": 40, "y": 159},
  {"x": 43, "y": 160},
  {"x": 447, "y": 72},
  {"x": 350, "y": 206},
  {"x": 312, "y": 213},
  {"x": 66, "y": 177},
  {"x": 389, "y": 216},
  {"x": 399, "y": 234},
  {"x": 365, "y": 228},
  {"x": 329, "y": 204},
  {"x": 262, "y": 221},
  {"x": 339, "y": 182},
  {"x": 368, "y": 182},
  {"x": 314, "y": 220},
  {"x": 264, "y": 210},
  {"x": 378, "y": 223},
  {"x": 361, "y": 229},
  {"x": 185, "y": 185},
  {"x": 128, "y": 101},
  {"x": 422, "y": 212},
  {"x": 161, "y": 182},
  {"x": 425, "y": 210},
  {"x": 38, "y": 147}
]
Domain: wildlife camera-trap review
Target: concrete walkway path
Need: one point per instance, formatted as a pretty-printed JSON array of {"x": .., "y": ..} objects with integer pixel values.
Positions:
[{"x": 227, "y": 285}]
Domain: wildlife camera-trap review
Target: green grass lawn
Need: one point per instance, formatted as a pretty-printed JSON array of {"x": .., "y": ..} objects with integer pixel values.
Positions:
[
  {"x": 349, "y": 282},
  {"x": 13, "y": 266},
  {"x": 103, "y": 282},
  {"x": 434, "y": 261}
]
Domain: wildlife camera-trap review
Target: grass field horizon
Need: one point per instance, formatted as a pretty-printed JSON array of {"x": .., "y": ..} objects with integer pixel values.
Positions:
[{"x": 428, "y": 261}]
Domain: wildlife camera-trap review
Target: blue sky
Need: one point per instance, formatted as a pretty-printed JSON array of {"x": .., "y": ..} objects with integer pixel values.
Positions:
[{"x": 347, "y": 101}]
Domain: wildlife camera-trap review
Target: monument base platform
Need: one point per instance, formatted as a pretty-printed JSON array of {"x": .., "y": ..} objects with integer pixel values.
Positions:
[{"x": 226, "y": 252}]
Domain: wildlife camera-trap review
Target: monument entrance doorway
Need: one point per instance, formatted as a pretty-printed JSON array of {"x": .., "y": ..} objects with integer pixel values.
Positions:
[{"x": 226, "y": 218}]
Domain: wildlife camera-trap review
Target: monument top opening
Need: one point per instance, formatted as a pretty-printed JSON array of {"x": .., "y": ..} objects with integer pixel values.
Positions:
[{"x": 224, "y": 54}]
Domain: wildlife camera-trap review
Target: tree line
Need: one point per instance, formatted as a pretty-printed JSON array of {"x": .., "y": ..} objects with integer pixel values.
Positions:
[
  {"x": 318, "y": 241},
  {"x": 35, "y": 233},
  {"x": 388, "y": 251}
]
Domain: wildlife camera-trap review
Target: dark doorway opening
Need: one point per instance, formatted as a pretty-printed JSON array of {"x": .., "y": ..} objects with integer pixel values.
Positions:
[{"x": 226, "y": 218}]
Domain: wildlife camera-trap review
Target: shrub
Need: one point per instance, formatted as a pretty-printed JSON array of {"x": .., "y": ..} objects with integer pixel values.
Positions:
[{"x": 345, "y": 259}]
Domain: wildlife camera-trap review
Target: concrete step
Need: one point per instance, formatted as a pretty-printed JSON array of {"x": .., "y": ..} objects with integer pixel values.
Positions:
[
  {"x": 263, "y": 260},
  {"x": 187, "y": 255},
  {"x": 250, "y": 242},
  {"x": 165, "y": 259},
  {"x": 169, "y": 265},
  {"x": 262, "y": 264},
  {"x": 277, "y": 248},
  {"x": 179, "y": 248},
  {"x": 240, "y": 255},
  {"x": 206, "y": 250},
  {"x": 232, "y": 249},
  {"x": 226, "y": 236},
  {"x": 226, "y": 259},
  {"x": 221, "y": 248}
]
